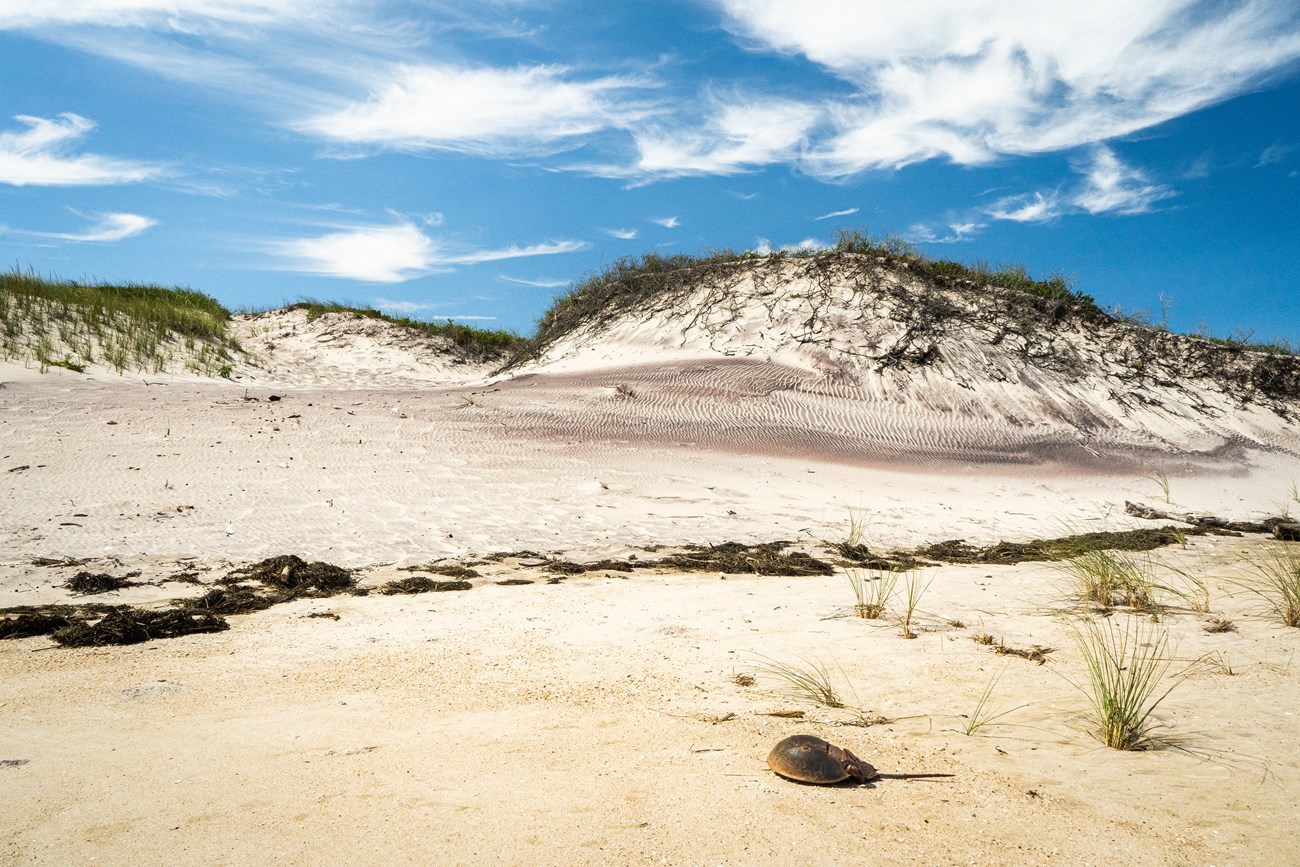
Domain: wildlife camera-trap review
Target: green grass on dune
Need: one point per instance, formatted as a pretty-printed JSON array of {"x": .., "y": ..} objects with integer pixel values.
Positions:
[
  {"x": 66, "y": 323},
  {"x": 476, "y": 343},
  {"x": 131, "y": 325},
  {"x": 631, "y": 282}
]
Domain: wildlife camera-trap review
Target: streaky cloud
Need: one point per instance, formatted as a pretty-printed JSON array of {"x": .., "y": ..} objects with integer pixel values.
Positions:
[
  {"x": 847, "y": 212},
  {"x": 39, "y": 156},
  {"x": 393, "y": 253},
  {"x": 106, "y": 229}
]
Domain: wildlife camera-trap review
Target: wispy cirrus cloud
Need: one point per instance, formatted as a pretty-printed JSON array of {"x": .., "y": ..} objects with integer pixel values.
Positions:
[
  {"x": 183, "y": 16},
  {"x": 951, "y": 233},
  {"x": 968, "y": 82},
  {"x": 393, "y": 253},
  {"x": 41, "y": 156},
  {"x": 1036, "y": 207},
  {"x": 1108, "y": 186},
  {"x": 847, "y": 212},
  {"x": 1274, "y": 154},
  {"x": 1111, "y": 187},
  {"x": 666, "y": 222},
  {"x": 106, "y": 228},
  {"x": 482, "y": 109},
  {"x": 973, "y": 80},
  {"x": 623, "y": 234},
  {"x": 740, "y": 135},
  {"x": 536, "y": 284},
  {"x": 404, "y": 308}
]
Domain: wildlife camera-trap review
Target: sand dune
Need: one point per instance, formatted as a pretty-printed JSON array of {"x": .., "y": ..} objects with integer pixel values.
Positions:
[{"x": 598, "y": 719}]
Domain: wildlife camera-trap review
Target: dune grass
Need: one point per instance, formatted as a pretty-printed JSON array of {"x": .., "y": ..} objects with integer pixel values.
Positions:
[
  {"x": 475, "y": 343},
  {"x": 1127, "y": 678},
  {"x": 1110, "y": 579},
  {"x": 632, "y": 282},
  {"x": 914, "y": 588},
  {"x": 985, "y": 715},
  {"x": 809, "y": 683},
  {"x": 63, "y": 323},
  {"x": 1277, "y": 581},
  {"x": 872, "y": 592}
]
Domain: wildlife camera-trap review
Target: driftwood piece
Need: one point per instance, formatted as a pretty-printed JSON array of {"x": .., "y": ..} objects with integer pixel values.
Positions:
[
  {"x": 1209, "y": 522},
  {"x": 1287, "y": 532}
]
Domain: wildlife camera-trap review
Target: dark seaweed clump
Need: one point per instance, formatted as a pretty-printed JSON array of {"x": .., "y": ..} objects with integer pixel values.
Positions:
[
  {"x": 762, "y": 559},
  {"x": 273, "y": 581},
  {"x": 292, "y": 573},
  {"x": 1010, "y": 553},
  {"x": 91, "y": 583},
  {"x": 127, "y": 625},
  {"x": 420, "y": 584}
]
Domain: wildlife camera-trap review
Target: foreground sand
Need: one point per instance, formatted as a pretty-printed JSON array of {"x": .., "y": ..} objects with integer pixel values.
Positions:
[{"x": 596, "y": 720}]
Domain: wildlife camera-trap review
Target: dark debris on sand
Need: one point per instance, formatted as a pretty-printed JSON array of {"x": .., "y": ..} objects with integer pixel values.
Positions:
[
  {"x": 762, "y": 559},
  {"x": 1010, "y": 553},
  {"x": 25, "y": 621},
  {"x": 91, "y": 583},
  {"x": 451, "y": 570},
  {"x": 253, "y": 588},
  {"x": 292, "y": 573},
  {"x": 420, "y": 584},
  {"x": 127, "y": 625}
]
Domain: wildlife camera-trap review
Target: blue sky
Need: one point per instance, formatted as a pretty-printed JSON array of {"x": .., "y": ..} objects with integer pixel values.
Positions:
[{"x": 470, "y": 160}]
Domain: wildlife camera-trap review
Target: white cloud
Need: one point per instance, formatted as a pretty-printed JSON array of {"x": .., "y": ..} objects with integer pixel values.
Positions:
[
  {"x": 763, "y": 247},
  {"x": 549, "y": 248},
  {"x": 1027, "y": 208},
  {"x": 537, "y": 284},
  {"x": 108, "y": 227},
  {"x": 1273, "y": 154},
  {"x": 1112, "y": 187},
  {"x": 954, "y": 232},
  {"x": 739, "y": 136},
  {"x": 184, "y": 16},
  {"x": 405, "y": 308},
  {"x": 667, "y": 222},
  {"x": 376, "y": 254},
  {"x": 479, "y": 110},
  {"x": 625, "y": 234},
  {"x": 975, "y": 79},
  {"x": 39, "y": 156},
  {"x": 847, "y": 212},
  {"x": 393, "y": 253}
]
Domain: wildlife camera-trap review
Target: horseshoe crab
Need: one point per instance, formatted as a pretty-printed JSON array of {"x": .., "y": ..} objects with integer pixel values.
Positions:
[{"x": 809, "y": 759}]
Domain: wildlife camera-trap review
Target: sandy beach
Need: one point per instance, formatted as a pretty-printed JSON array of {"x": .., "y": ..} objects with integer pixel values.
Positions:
[{"x": 623, "y": 714}]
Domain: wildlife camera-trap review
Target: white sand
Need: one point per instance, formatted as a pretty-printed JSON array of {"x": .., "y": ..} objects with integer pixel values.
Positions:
[{"x": 597, "y": 720}]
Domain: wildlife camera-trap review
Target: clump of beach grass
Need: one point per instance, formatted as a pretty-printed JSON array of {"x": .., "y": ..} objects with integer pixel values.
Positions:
[
  {"x": 809, "y": 682},
  {"x": 1162, "y": 480},
  {"x": 1127, "y": 670},
  {"x": 872, "y": 592},
  {"x": 984, "y": 713},
  {"x": 1109, "y": 579},
  {"x": 914, "y": 588},
  {"x": 1277, "y": 581},
  {"x": 1192, "y": 587}
]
